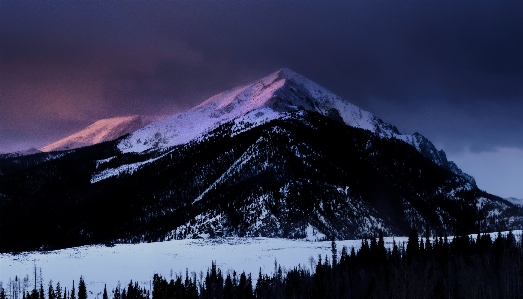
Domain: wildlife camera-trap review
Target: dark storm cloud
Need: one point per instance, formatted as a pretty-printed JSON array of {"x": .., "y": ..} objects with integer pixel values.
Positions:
[{"x": 452, "y": 70}]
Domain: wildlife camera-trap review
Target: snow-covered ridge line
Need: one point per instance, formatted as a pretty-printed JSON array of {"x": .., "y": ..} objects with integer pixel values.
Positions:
[
  {"x": 100, "y": 131},
  {"x": 282, "y": 91}
]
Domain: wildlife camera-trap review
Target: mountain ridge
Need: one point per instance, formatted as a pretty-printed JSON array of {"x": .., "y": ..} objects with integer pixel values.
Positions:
[
  {"x": 102, "y": 130},
  {"x": 26, "y": 152}
]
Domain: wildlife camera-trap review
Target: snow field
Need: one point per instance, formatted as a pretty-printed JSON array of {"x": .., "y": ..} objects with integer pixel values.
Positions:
[
  {"x": 101, "y": 265},
  {"x": 122, "y": 263}
]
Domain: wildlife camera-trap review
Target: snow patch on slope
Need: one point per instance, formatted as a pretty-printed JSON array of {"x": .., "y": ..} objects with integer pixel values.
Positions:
[
  {"x": 313, "y": 234},
  {"x": 122, "y": 169},
  {"x": 103, "y": 161}
]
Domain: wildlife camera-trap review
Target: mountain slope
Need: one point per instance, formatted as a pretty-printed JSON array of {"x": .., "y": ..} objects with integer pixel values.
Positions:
[
  {"x": 267, "y": 160},
  {"x": 515, "y": 201},
  {"x": 100, "y": 131},
  {"x": 290, "y": 177}
]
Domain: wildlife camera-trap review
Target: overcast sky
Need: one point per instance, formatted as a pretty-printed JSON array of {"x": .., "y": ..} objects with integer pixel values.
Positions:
[{"x": 451, "y": 70}]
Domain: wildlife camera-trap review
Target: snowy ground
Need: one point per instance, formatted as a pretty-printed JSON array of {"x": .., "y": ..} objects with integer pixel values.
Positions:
[
  {"x": 107, "y": 265},
  {"x": 101, "y": 265}
]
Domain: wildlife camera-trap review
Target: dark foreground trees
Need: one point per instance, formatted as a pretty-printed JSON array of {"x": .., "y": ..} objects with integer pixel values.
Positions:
[{"x": 465, "y": 267}]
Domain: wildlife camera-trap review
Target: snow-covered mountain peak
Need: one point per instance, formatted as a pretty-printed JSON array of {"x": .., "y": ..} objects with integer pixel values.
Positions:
[
  {"x": 275, "y": 95},
  {"x": 100, "y": 131},
  {"x": 272, "y": 97},
  {"x": 270, "y": 91}
]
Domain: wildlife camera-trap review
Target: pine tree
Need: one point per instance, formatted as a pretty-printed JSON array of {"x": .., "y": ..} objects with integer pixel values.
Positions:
[
  {"x": 104, "y": 296},
  {"x": 248, "y": 288},
  {"x": 116, "y": 292},
  {"x": 344, "y": 255},
  {"x": 192, "y": 291},
  {"x": 82, "y": 290},
  {"x": 334, "y": 253},
  {"x": 50, "y": 290},
  {"x": 34, "y": 294},
  {"x": 41, "y": 294},
  {"x": 412, "y": 245},
  {"x": 58, "y": 291},
  {"x": 260, "y": 286},
  {"x": 428, "y": 245},
  {"x": 395, "y": 254},
  {"x": 228, "y": 290},
  {"x": 382, "y": 252},
  {"x": 73, "y": 295}
]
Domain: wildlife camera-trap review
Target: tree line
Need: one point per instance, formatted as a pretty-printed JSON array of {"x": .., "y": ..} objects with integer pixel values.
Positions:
[{"x": 464, "y": 267}]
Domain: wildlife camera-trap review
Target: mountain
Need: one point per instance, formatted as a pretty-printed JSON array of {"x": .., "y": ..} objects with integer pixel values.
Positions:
[
  {"x": 281, "y": 157},
  {"x": 515, "y": 201},
  {"x": 20, "y": 153},
  {"x": 267, "y": 99},
  {"x": 100, "y": 131}
]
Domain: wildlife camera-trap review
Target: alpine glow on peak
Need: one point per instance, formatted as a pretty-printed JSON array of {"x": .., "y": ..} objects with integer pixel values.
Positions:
[{"x": 275, "y": 95}]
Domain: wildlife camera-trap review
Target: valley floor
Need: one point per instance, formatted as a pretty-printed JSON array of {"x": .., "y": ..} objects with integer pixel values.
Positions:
[{"x": 121, "y": 263}]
